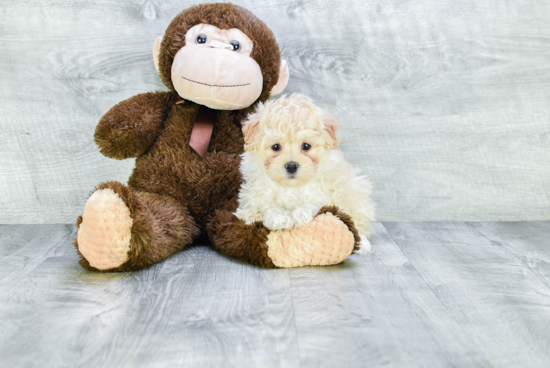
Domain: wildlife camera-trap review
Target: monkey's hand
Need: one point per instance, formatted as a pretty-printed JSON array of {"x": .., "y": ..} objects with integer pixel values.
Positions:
[{"x": 130, "y": 127}]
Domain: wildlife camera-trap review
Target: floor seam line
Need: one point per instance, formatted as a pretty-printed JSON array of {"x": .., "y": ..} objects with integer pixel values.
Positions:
[
  {"x": 509, "y": 251},
  {"x": 415, "y": 269},
  {"x": 449, "y": 313},
  {"x": 45, "y": 257},
  {"x": 294, "y": 319}
]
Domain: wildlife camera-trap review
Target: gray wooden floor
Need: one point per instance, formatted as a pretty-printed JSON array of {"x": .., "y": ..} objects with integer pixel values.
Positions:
[{"x": 431, "y": 295}]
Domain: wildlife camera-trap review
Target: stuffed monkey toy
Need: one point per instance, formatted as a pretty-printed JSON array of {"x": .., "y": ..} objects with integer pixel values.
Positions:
[{"x": 218, "y": 61}]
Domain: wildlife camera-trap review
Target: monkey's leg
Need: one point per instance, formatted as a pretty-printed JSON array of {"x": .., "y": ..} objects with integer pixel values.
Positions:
[
  {"x": 232, "y": 237},
  {"x": 122, "y": 229},
  {"x": 329, "y": 239}
]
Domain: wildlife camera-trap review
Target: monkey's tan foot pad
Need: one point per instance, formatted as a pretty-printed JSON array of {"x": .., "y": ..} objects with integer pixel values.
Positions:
[
  {"x": 324, "y": 241},
  {"x": 105, "y": 232}
]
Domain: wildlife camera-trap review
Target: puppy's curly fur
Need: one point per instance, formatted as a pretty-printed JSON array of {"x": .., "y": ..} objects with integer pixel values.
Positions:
[{"x": 291, "y": 169}]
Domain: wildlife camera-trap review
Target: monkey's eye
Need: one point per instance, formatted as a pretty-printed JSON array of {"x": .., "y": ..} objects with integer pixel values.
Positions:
[
  {"x": 236, "y": 45},
  {"x": 201, "y": 38},
  {"x": 306, "y": 146},
  {"x": 276, "y": 147}
]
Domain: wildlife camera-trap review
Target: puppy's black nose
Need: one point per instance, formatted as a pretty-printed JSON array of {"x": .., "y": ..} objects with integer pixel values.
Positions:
[{"x": 291, "y": 167}]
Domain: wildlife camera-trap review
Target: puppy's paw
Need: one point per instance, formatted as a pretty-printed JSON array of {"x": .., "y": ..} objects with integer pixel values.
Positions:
[
  {"x": 277, "y": 219},
  {"x": 364, "y": 245},
  {"x": 304, "y": 214}
]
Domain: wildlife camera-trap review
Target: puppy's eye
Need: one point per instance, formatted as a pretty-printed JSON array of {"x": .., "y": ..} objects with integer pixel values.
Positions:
[
  {"x": 276, "y": 147},
  {"x": 306, "y": 146},
  {"x": 201, "y": 38},
  {"x": 236, "y": 45}
]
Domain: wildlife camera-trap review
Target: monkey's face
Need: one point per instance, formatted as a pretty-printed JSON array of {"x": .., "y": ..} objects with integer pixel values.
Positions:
[
  {"x": 215, "y": 69},
  {"x": 221, "y": 56}
]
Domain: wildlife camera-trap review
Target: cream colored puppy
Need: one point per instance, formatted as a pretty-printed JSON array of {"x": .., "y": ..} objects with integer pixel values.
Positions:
[{"x": 291, "y": 169}]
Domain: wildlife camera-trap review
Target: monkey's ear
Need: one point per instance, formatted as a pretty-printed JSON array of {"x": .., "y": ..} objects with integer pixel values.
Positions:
[
  {"x": 156, "y": 52},
  {"x": 283, "y": 79}
]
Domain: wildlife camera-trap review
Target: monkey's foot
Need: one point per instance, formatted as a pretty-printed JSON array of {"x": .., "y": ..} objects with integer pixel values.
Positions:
[
  {"x": 105, "y": 232},
  {"x": 329, "y": 239}
]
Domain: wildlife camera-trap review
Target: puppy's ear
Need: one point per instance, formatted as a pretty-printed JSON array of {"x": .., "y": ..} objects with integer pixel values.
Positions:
[
  {"x": 331, "y": 128},
  {"x": 251, "y": 131}
]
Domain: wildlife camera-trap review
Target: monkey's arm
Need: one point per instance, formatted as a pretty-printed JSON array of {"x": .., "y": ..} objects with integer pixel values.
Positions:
[{"x": 130, "y": 127}]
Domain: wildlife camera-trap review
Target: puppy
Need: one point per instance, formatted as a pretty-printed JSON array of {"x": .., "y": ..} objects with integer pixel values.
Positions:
[{"x": 291, "y": 169}]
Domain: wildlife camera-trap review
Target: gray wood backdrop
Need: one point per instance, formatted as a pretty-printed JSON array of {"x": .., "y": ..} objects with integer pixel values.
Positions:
[{"x": 445, "y": 104}]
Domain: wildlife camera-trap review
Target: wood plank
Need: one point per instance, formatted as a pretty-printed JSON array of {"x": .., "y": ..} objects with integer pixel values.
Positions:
[
  {"x": 527, "y": 241},
  {"x": 500, "y": 303},
  {"x": 24, "y": 247},
  {"x": 10, "y": 238},
  {"x": 196, "y": 309},
  {"x": 376, "y": 310}
]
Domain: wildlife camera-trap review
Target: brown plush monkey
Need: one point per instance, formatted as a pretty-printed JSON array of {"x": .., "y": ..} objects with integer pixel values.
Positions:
[{"x": 219, "y": 61}]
